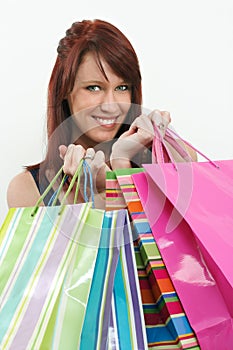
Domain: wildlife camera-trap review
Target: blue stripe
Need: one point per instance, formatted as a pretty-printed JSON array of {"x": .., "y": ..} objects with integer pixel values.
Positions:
[
  {"x": 121, "y": 310},
  {"x": 158, "y": 334},
  {"x": 142, "y": 227},
  {"x": 179, "y": 326},
  {"x": 146, "y": 240},
  {"x": 91, "y": 322}
]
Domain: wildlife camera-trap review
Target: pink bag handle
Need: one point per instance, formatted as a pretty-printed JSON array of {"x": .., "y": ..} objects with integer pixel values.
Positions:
[{"x": 159, "y": 143}]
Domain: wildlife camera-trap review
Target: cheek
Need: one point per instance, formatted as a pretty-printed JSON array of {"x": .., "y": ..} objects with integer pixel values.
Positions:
[
  {"x": 80, "y": 119},
  {"x": 125, "y": 107},
  {"x": 80, "y": 101}
]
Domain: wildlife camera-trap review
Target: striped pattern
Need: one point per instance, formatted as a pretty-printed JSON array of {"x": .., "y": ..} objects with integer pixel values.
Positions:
[
  {"x": 107, "y": 321},
  {"x": 69, "y": 281},
  {"x": 167, "y": 326},
  {"x": 114, "y": 195},
  {"x": 34, "y": 251},
  {"x": 127, "y": 320}
]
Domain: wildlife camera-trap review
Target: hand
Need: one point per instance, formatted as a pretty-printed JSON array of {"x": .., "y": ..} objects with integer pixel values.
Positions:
[
  {"x": 140, "y": 134},
  {"x": 72, "y": 156}
]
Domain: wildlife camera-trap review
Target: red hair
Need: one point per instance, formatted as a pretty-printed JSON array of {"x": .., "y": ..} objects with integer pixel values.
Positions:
[{"x": 105, "y": 41}]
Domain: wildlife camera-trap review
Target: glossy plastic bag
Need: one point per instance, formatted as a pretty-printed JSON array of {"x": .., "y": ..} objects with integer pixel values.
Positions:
[{"x": 189, "y": 208}]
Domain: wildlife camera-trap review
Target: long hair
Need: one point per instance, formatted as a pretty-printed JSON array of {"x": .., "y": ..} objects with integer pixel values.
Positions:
[{"x": 105, "y": 41}]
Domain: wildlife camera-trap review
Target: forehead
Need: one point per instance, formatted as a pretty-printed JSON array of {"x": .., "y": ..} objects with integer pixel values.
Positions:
[{"x": 89, "y": 69}]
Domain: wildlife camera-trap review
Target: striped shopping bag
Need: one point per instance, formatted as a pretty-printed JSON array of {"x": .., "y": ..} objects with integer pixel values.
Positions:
[
  {"x": 114, "y": 313},
  {"x": 114, "y": 195},
  {"x": 68, "y": 279},
  {"x": 167, "y": 326},
  {"x": 38, "y": 256}
]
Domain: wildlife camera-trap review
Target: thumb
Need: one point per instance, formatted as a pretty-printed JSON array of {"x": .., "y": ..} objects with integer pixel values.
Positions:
[
  {"x": 62, "y": 150},
  {"x": 129, "y": 132}
]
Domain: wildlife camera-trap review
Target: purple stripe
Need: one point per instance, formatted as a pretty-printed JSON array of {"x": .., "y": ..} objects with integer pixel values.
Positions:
[
  {"x": 108, "y": 309},
  {"x": 134, "y": 296},
  {"x": 41, "y": 291}
]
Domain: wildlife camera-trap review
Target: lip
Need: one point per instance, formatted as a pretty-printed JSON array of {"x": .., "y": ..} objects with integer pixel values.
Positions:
[{"x": 106, "y": 122}]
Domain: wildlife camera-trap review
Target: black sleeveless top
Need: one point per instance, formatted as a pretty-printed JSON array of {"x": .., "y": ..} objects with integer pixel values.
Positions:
[{"x": 41, "y": 184}]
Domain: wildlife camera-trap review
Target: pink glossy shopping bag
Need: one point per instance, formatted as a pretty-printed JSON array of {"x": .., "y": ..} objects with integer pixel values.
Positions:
[{"x": 190, "y": 209}]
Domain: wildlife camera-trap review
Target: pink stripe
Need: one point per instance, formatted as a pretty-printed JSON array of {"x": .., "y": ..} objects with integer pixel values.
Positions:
[
  {"x": 128, "y": 189},
  {"x": 116, "y": 195},
  {"x": 161, "y": 274},
  {"x": 112, "y": 184},
  {"x": 125, "y": 180},
  {"x": 138, "y": 216},
  {"x": 174, "y": 307}
]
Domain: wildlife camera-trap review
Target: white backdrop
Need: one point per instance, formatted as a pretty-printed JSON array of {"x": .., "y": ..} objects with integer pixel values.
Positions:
[{"x": 185, "y": 50}]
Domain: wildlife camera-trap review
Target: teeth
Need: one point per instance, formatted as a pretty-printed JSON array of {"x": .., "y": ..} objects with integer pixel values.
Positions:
[{"x": 106, "y": 121}]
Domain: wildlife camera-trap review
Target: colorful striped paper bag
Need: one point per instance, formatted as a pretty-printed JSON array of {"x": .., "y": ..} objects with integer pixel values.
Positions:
[
  {"x": 68, "y": 280},
  {"x": 114, "y": 196},
  {"x": 114, "y": 317},
  {"x": 37, "y": 254},
  {"x": 167, "y": 325}
]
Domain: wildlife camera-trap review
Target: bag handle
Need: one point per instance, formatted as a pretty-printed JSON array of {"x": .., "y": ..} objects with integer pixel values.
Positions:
[
  {"x": 83, "y": 167},
  {"x": 160, "y": 141}
]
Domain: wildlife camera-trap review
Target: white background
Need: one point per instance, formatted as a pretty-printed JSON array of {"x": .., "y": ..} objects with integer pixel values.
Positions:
[{"x": 185, "y": 49}]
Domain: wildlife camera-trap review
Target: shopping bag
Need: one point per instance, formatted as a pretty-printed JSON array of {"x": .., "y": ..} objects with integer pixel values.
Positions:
[
  {"x": 113, "y": 193},
  {"x": 49, "y": 260},
  {"x": 189, "y": 208},
  {"x": 36, "y": 254},
  {"x": 167, "y": 325},
  {"x": 114, "y": 309}
]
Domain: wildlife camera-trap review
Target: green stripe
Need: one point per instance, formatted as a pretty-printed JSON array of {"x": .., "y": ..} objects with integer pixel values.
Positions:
[
  {"x": 6, "y": 223},
  {"x": 77, "y": 288},
  {"x": 128, "y": 171}
]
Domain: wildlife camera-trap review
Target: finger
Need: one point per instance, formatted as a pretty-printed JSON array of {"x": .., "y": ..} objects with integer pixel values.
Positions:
[
  {"x": 99, "y": 160},
  {"x": 166, "y": 117},
  {"x": 161, "y": 120},
  {"x": 98, "y": 169},
  {"x": 72, "y": 158},
  {"x": 137, "y": 121},
  {"x": 62, "y": 151},
  {"x": 89, "y": 154},
  {"x": 156, "y": 117},
  {"x": 144, "y": 124}
]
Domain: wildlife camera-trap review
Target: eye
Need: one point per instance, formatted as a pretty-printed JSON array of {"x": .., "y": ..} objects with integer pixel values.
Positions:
[
  {"x": 93, "y": 88},
  {"x": 123, "y": 87}
]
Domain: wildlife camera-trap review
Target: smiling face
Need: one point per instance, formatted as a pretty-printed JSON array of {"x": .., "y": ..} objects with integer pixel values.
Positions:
[{"x": 99, "y": 106}]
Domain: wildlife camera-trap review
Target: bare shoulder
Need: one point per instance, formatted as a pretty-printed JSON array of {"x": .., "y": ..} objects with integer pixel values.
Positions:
[{"x": 22, "y": 191}]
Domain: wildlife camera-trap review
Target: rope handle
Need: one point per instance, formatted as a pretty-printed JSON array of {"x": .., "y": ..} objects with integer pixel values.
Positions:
[
  {"x": 170, "y": 138},
  {"x": 83, "y": 167}
]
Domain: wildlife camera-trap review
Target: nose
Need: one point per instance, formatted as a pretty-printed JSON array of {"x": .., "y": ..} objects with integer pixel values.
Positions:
[{"x": 109, "y": 102}]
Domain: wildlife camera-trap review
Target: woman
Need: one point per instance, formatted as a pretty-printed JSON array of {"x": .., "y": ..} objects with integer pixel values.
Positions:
[{"x": 93, "y": 112}]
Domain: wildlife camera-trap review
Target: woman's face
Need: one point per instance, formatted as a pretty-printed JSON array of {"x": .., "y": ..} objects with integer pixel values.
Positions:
[{"x": 99, "y": 106}]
